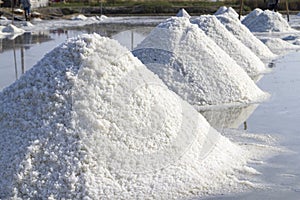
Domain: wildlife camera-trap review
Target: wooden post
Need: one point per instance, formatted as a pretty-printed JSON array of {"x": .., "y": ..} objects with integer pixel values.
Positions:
[
  {"x": 287, "y": 10},
  {"x": 241, "y": 8},
  {"x": 15, "y": 59},
  {"x": 12, "y": 11},
  {"x": 22, "y": 59}
]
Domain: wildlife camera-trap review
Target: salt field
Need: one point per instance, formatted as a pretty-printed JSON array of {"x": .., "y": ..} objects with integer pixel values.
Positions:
[{"x": 162, "y": 109}]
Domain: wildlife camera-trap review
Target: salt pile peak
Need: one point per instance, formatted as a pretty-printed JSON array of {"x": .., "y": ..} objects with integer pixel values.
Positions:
[
  {"x": 230, "y": 44},
  {"x": 251, "y": 16},
  {"x": 227, "y": 10},
  {"x": 183, "y": 13},
  {"x": 242, "y": 33},
  {"x": 91, "y": 121},
  {"x": 194, "y": 66},
  {"x": 267, "y": 21}
]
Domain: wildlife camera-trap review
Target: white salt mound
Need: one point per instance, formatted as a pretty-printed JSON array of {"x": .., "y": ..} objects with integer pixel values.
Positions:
[
  {"x": 194, "y": 66},
  {"x": 229, "y": 11},
  {"x": 279, "y": 46},
  {"x": 12, "y": 29},
  {"x": 221, "y": 10},
  {"x": 230, "y": 44},
  {"x": 79, "y": 17},
  {"x": 268, "y": 21},
  {"x": 183, "y": 13},
  {"x": 242, "y": 33},
  {"x": 90, "y": 121},
  {"x": 251, "y": 16}
]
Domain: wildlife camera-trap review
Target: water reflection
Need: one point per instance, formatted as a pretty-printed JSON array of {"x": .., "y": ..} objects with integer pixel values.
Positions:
[
  {"x": 229, "y": 117},
  {"x": 21, "y": 52}
]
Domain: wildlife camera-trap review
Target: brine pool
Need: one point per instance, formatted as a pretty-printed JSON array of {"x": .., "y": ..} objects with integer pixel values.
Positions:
[{"x": 278, "y": 117}]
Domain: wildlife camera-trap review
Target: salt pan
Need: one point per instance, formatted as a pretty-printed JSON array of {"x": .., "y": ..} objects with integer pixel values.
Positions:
[{"x": 90, "y": 121}]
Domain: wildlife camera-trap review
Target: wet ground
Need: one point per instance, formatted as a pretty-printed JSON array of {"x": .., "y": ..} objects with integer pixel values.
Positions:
[{"x": 278, "y": 117}]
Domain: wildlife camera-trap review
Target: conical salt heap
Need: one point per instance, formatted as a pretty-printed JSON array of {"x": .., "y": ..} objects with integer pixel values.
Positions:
[
  {"x": 90, "y": 121},
  {"x": 230, "y": 44},
  {"x": 183, "y": 13},
  {"x": 251, "y": 16},
  {"x": 242, "y": 33},
  {"x": 266, "y": 21},
  {"x": 194, "y": 66}
]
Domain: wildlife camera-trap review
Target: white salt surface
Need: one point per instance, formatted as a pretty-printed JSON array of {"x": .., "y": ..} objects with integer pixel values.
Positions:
[
  {"x": 242, "y": 33},
  {"x": 89, "y": 121},
  {"x": 267, "y": 21},
  {"x": 279, "y": 46},
  {"x": 79, "y": 17},
  {"x": 12, "y": 29},
  {"x": 194, "y": 66},
  {"x": 229, "y": 11},
  {"x": 183, "y": 13},
  {"x": 251, "y": 16},
  {"x": 230, "y": 44}
]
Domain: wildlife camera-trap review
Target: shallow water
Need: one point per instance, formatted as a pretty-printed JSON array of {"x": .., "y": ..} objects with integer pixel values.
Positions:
[{"x": 278, "y": 117}]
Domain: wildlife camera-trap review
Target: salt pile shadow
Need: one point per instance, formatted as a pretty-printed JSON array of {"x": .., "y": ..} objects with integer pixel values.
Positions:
[{"x": 89, "y": 120}]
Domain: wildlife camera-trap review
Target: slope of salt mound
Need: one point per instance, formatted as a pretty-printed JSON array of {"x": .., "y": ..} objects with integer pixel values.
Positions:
[
  {"x": 12, "y": 29},
  {"x": 194, "y": 66},
  {"x": 279, "y": 46},
  {"x": 269, "y": 21},
  {"x": 230, "y": 44},
  {"x": 183, "y": 13},
  {"x": 228, "y": 117},
  {"x": 91, "y": 121},
  {"x": 221, "y": 10},
  {"x": 230, "y": 11},
  {"x": 251, "y": 16},
  {"x": 79, "y": 17},
  {"x": 242, "y": 33}
]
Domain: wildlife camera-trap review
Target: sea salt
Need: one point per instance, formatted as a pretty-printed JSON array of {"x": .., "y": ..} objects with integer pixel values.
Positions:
[
  {"x": 242, "y": 33},
  {"x": 90, "y": 121},
  {"x": 266, "y": 21},
  {"x": 194, "y": 66},
  {"x": 230, "y": 44}
]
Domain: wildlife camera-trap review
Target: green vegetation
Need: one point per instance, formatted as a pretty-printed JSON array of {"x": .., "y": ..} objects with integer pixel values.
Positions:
[
  {"x": 155, "y": 7},
  {"x": 115, "y": 3}
]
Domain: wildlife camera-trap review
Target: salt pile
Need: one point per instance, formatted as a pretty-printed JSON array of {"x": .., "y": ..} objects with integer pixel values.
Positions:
[
  {"x": 251, "y": 16},
  {"x": 183, "y": 13},
  {"x": 91, "y": 121},
  {"x": 12, "y": 29},
  {"x": 279, "y": 46},
  {"x": 230, "y": 44},
  {"x": 242, "y": 33},
  {"x": 230, "y": 11},
  {"x": 79, "y": 17},
  {"x": 267, "y": 21},
  {"x": 194, "y": 66}
]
